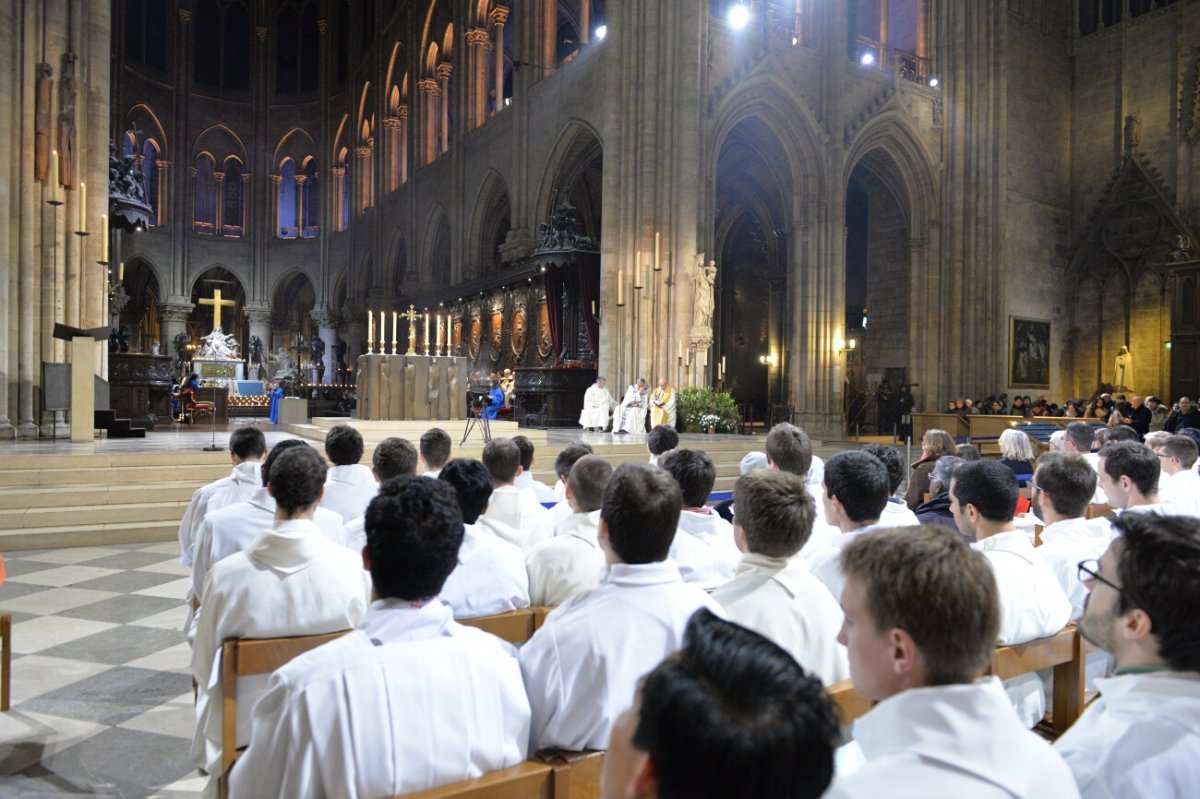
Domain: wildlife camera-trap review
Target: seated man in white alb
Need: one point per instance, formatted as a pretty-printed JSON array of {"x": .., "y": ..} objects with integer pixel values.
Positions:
[
  {"x": 1079, "y": 438},
  {"x": 630, "y": 416},
  {"x": 659, "y": 441},
  {"x": 704, "y": 549},
  {"x": 512, "y": 513},
  {"x": 1179, "y": 485},
  {"x": 490, "y": 576},
  {"x": 1129, "y": 474},
  {"x": 854, "y": 492},
  {"x": 350, "y": 485},
  {"x": 392, "y": 457},
  {"x": 290, "y": 580},
  {"x": 729, "y": 715},
  {"x": 435, "y": 451},
  {"x": 1142, "y": 736},
  {"x": 572, "y": 562},
  {"x": 232, "y": 528},
  {"x": 774, "y": 593},
  {"x": 921, "y": 614},
  {"x": 1063, "y": 486},
  {"x": 789, "y": 449},
  {"x": 562, "y": 467},
  {"x": 543, "y": 492},
  {"x": 247, "y": 448},
  {"x": 598, "y": 403},
  {"x": 408, "y": 701},
  {"x": 582, "y": 666},
  {"x": 896, "y": 512},
  {"x": 983, "y": 497}
]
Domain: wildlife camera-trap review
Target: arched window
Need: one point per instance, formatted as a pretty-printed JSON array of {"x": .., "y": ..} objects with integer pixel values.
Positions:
[
  {"x": 344, "y": 191},
  {"x": 232, "y": 223},
  {"x": 297, "y": 46},
  {"x": 150, "y": 176},
  {"x": 223, "y": 44},
  {"x": 204, "y": 195},
  {"x": 145, "y": 21},
  {"x": 312, "y": 200},
  {"x": 287, "y": 200}
]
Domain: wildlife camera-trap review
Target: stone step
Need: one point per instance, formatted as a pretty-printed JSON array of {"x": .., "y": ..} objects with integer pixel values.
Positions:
[
  {"x": 88, "y": 535},
  {"x": 95, "y": 495},
  {"x": 67, "y": 515},
  {"x": 96, "y": 475}
]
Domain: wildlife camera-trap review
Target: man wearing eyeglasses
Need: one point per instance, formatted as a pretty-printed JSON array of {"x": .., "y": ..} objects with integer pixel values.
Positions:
[
  {"x": 1180, "y": 483},
  {"x": 1142, "y": 736}
]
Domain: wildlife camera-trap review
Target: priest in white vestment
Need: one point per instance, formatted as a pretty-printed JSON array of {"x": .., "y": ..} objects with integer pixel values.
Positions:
[
  {"x": 513, "y": 514},
  {"x": 630, "y": 416},
  {"x": 582, "y": 666},
  {"x": 247, "y": 448},
  {"x": 854, "y": 494},
  {"x": 731, "y": 714},
  {"x": 921, "y": 620},
  {"x": 773, "y": 592},
  {"x": 351, "y": 485},
  {"x": 291, "y": 580},
  {"x": 1142, "y": 736},
  {"x": 598, "y": 403},
  {"x": 703, "y": 549},
  {"x": 572, "y": 562},
  {"x": 490, "y": 576},
  {"x": 1179, "y": 485},
  {"x": 409, "y": 701},
  {"x": 662, "y": 405},
  {"x": 983, "y": 496}
]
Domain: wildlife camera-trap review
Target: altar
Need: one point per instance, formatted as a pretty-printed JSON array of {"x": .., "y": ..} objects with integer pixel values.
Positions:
[
  {"x": 212, "y": 369},
  {"x": 411, "y": 387}
]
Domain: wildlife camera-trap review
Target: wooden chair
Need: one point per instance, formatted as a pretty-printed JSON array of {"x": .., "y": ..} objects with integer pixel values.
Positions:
[
  {"x": 5, "y": 660},
  {"x": 576, "y": 774},
  {"x": 1098, "y": 509},
  {"x": 850, "y": 704},
  {"x": 516, "y": 626},
  {"x": 539, "y": 616},
  {"x": 527, "y": 780},
  {"x": 192, "y": 406},
  {"x": 1064, "y": 652},
  {"x": 245, "y": 657}
]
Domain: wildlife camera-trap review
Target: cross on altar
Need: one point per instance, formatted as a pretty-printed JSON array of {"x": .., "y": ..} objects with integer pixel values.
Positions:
[
  {"x": 412, "y": 316},
  {"x": 217, "y": 303}
]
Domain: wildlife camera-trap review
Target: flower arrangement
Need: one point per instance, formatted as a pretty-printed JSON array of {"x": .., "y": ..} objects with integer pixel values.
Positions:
[{"x": 709, "y": 421}]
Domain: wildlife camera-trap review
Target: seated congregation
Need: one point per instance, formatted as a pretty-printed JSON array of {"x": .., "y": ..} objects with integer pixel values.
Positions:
[{"x": 435, "y": 623}]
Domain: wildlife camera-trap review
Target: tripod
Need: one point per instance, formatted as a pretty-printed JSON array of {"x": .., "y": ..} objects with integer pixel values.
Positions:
[{"x": 476, "y": 417}]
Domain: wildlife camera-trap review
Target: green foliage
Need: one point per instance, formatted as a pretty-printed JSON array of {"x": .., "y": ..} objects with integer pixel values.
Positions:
[{"x": 692, "y": 402}]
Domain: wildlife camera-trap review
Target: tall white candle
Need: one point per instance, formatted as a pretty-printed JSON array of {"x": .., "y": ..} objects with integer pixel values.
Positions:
[{"x": 370, "y": 331}]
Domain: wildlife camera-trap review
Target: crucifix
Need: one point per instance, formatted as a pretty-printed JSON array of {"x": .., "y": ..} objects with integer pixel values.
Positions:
[
  {"x": 412, "y": 316},
  {"x": 217, "y": 303}
]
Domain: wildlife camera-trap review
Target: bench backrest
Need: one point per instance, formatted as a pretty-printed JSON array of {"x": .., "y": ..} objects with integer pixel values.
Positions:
[
  {"x": 515, "y": 626},
  {"x": 525, "y": 780}
]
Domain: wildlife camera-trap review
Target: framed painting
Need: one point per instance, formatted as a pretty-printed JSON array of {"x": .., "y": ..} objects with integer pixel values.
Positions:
[{"x": 1028, "y": 352}]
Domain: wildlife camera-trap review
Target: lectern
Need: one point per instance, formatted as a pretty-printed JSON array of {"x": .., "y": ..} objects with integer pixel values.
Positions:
[{"x": 81, "y": 356}]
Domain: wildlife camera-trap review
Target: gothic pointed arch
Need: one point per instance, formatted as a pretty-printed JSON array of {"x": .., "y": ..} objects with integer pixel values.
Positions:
[
  {"x": 573, "y": 172},
  {"x": 223, "y": 277},
  {"x": 436, "y": 248},
  {"x": 398, "y": 274},
  {"x": 491, "y": 221},
  {"x": 140, "y": 316}
]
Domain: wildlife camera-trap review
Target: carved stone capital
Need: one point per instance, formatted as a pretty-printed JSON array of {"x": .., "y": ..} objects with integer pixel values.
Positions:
[
  {"x": 117, "y": 301},
  {"x": 185, "y": 16},
  {"x": 301, "y": 179},
  {"x": 362, "y": 152},
  {"x": 444, "y": 70},
  {"x": 338, "y": 171},
  {"x": 479, "y": 37},
  {"x": 324, "y": 317},
  {"x": 219, "y": 177},
  {"x": 401, "y": 112},
  {"x": 258, "y": 316},
  {"x": 499, "y": 15},
  {"x": 175, "y": 312},
  {"x": 276, "y": 179},
  {"x": 428, "y": 86},
  {"x": 261, "y": 33},
  {"x": 323, "y": 25},
  {"x": 391, "y": 122}
]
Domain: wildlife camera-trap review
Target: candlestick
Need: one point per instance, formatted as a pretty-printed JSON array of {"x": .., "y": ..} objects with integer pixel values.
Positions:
[
  {"x": 82, "y": 208},
  {"x": 426, "y": 340},
  {"x": 121, "y": 272},
  {"x": 54, "y": 179},
  {"x": 370, "y": 331},
  {"x": 383, "y": 332},
  {"x": 104, "y": 239},
  {"x": 620, "y": 288},
  {"x": 657, "y": 251},
  {"x": 395, "y": 331}
]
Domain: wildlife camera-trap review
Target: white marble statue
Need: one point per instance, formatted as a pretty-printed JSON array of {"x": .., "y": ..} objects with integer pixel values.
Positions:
[
  {"x": 219, "y": 346},
  {"x": 281, "y": 365},
  {"x": 706, "y": 276}
]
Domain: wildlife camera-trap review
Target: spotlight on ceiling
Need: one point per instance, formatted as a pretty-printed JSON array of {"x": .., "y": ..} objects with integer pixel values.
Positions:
[
  {"x": 738, "y": 16},
  {"x": 601, "y": 32},
  {"x": 867, "y": 59},
  {"x": 934, "y": 82}
]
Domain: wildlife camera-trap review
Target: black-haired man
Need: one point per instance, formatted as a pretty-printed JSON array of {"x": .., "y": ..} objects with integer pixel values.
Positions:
[
  {"x": 247, "y": 448},
  {"x": 704, "y": 549},
  {"x": 350, "y": 485}
]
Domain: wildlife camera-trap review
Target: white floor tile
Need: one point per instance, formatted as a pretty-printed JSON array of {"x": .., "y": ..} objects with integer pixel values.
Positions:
[
  {"x": 171, "y": 566},
  {"x": 27, "y": 738},
  {"x": 168, "y": 719},
  {"x": 65, "y": 575},
  {"x": 173, "y": 658},
  {"x": 35, "y": 635},
  {"x": 34, "y": 675},
  {"x": 55, "y": 600},
  {"x": 167, "y": 620},
  {"x": 176, "y": 589},
  {"x": 74, "y": 555}
]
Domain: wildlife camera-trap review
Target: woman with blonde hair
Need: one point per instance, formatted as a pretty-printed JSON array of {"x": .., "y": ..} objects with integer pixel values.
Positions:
[
  {"x": 1016, "y": 452},
  {"x": 934, "y": 444}
]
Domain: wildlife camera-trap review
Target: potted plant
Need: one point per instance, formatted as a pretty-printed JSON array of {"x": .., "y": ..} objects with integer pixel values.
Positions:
[{"x": 709, "y": 422}]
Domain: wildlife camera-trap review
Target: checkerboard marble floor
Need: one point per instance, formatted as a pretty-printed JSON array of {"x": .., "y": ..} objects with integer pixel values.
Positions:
[{"x": 101, "y": 694}]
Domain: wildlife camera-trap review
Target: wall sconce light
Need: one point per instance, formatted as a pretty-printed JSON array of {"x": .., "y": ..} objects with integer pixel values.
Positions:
[{"x": 768, "y": 360}]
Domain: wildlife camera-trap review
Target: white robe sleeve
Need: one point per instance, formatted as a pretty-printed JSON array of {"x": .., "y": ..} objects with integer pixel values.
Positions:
[
  {"x": 279, "y": 761},
  {"x": 542, "y": 672}
]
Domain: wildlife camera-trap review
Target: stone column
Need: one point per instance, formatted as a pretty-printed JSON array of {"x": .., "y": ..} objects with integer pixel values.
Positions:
[
  {"x": 356, "y": 336},
  {"x": 499, "y": 16},
  {"x": 219, "y": 204},
  {"x": 174, "y": 315},
  {"x": 300, "y": 181},
  {"x": 443, "y": 72},
  {"x": 402, "y": 123},
  {"x": 163, "y": 177},
  {"x": 428, "y": 89},
  {"x": 277, "y": 181},
  {"x": 478, "y": 46},
  {"x": 327, "y": 329},
  {"x": 339, "y": 180},
  {"x": 117, "y": 302},
  {"x": 258, "y": 316}
]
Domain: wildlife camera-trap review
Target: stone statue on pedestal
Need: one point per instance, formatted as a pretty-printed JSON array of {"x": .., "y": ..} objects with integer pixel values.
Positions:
[{"x": 218, "y": 345}]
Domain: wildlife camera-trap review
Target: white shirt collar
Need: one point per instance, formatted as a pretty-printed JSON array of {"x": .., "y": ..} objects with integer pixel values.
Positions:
[
  {"x": 633, "y": 575},
  {"x": 390, "y": 621}
]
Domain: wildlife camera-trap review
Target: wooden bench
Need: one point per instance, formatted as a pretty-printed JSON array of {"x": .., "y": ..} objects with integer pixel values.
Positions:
[
  {"x": 1064, "y": 652},
  {"x": 245, "y": 657},
  {"x": 576, "y": 774},
  {"x": 515, "y": 626},
  {"x": 527, "y": 780}
]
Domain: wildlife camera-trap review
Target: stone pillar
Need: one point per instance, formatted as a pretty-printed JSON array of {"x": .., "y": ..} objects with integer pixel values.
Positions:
[
  {"x": 277, "y": 181},
  {"x": 356, "y": 336},
  {"x": 117, "y": 302},
  {"x": 174, "y": 315},
  {"x": 300, "y": 181},
  {"x": 402, "y": 122},
  {"x": 327, "y": 329},
  {"x": 339, "y": 180},
  {"x": 219, "y": 204},
  {"x": 163, "y": 168},
  {"x": 443, "y": 72},
  {"x": 499, "y": 16},
  {"x": 428, "y": 89},
  {"x": 258, "y": 316},
  {"x": 478, "y": 46}
]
